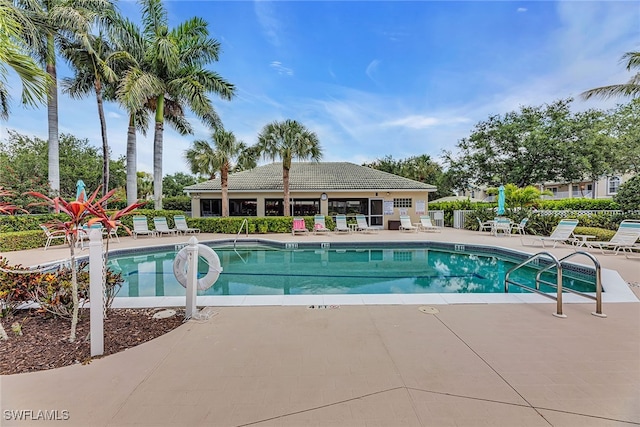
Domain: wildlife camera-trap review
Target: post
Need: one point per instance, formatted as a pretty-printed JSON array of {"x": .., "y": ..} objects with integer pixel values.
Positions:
[
  {"x": 192, "y": 278},
  {"x": 96, "y": 292}
]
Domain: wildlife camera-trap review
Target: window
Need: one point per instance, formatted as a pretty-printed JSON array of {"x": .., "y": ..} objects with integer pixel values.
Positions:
[
  {"x": 349, "y": 207},
  {"x": 273, "y": 207},
  {"x": 554, "y": 190},
  {"x": 401, "y": 203},
  {"x": 243, "y": 207},
  {"x": 574, "y": 189},
  {"x": 305, "y": 207},
  {"x": 210, "y": 207},
  {"x": 614, "y": 184}
]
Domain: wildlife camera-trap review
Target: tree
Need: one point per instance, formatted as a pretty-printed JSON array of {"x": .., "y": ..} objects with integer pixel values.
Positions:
[
  {"x": 288, "y": 140},
  {"x": 206, "y": 159},
  {"x": 145, "y": 185},
  {"x": 628, "y": 196},
  {"x": 176, "y": 59},
  {"x": 56, "y": 20},
  {"x": 174, "y": 184},
  {"x": 630, "y": 88},
  {"x": 623, "y": 125},
  {"x": 14, "y": 53}
]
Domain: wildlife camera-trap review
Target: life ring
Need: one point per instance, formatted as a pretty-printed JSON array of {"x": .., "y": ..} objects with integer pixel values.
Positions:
[{"x": 180, "y": 267}]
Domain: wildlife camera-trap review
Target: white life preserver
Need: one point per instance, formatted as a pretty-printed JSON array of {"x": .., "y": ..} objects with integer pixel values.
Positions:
[{"x": 180, "y": 267}]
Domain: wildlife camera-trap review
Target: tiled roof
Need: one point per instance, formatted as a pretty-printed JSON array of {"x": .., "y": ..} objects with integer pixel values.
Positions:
[{"x": 316, "y": 176}]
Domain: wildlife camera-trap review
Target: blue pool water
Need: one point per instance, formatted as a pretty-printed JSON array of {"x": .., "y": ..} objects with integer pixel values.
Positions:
[{"x": 270, "y": 271}]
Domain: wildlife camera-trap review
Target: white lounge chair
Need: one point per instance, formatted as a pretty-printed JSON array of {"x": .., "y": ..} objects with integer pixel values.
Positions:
[
  {"x": 182, "y": 227},
  {"x": 299, "y": 226},
  {"x": 161, "y": 226},
  {"x": 625, "y": 238},
  {"x": 363, "y": 226},
  {"x": 561, "y": 234},
  {"x": 341, "y": 224},
  {"x": 319, "y": 225},
  {"x": 52, "y": 235},
  {"x": 427, "y": 225},
  {"x": 405, "y": 224},
  {"x": 141, "y": 227}
]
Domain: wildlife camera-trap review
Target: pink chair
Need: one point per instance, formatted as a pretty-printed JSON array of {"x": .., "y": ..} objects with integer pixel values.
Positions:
[{"x": 299, "y": 226}]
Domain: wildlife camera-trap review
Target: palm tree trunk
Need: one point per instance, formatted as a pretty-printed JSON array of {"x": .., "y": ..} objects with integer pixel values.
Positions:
[
  {"x": 105, "y": 142},
  {"x": 52, "y": 118},
  {"x": 132, "y": 178},
  {"x": 285, "y": 185},
  {"x": 224, "y": 184},
  {"x": 157, "y": 155}
]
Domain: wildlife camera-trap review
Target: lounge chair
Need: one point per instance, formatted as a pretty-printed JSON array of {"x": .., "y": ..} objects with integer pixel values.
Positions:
[
  {"x": 161, "y": 226},
  {"x": 52, "y": 235},
  {"x": 341, "y": 224},
  {"x": 485, "y": 225},
  {"x": 561, "y": 234},
  {"x": 625, "y": 238},
  {"x": 141, "y": 227},
  {"x": 362, "y": 225},
  {"x": 299, "y": 226},
  {"x": 502, "y": 225},
  {"x": 519, "y": 227},
  {"x": 181, "y": 225},
  {"x": 405, "y": 224},
  {"x": 427, "y": 225},
  {"x": 319, "y": 225}
]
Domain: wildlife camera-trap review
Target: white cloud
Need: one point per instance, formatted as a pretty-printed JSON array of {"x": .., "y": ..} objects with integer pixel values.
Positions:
[
  {"x": 371, "y": 69},
  {"x": 422, "y": 122},
  {"x": 281, "y": 69},
  {"x": 268, "y": 21},
  {"x": 521, "y": 9}
]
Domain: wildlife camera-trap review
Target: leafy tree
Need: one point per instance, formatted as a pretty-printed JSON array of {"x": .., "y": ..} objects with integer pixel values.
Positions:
[
  {"x": 144, "y": 185},
  {"x": 630, "y": 88},
  {"x": 174, "y": 184},
  {"x": 14, "y": 53},
  {"x": 624, "y": 128},
  {"x": 628, "y": 196},
  {"x": 286, "y": 141},
  {"x": 54, "y": 21},
  {"x": 206, "y": 159}
]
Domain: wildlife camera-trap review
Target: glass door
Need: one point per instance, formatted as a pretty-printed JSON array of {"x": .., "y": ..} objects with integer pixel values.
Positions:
[{"x": 376, "y": 214}]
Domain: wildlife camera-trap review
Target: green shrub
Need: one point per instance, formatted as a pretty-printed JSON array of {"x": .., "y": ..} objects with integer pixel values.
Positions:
[
  {"x": 22, "y": 240},
  {"x": 601, "y": 235},
  {"x": 578, "y": 204},
  {"x": 628, "y": 196}
]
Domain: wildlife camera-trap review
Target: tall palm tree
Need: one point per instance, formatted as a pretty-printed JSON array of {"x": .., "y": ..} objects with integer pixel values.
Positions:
[
  {"x": 288, "y": 140},
  {"x": 90, "y": 60},
  {"x": 14, "y": 52},
  {"x": 630, "y": 88},
  {"x": 55, "y": 20},
  {"x": 176, "y": 59},
  {"x": 206, "y": 159}
]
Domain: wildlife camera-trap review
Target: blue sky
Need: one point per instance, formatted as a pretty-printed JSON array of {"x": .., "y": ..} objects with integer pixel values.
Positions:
[{"x": 376, "y": 78}]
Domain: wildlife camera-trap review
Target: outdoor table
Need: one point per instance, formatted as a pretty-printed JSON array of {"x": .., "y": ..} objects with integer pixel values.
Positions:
[{"x": 581, "y": 239}]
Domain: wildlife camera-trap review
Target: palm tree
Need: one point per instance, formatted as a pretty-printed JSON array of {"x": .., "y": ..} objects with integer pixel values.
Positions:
[
  {"x": 176, "y": 59},
  {"x": 288, "y": 140},
  {"x": 90, "y": 60},
  {"x": 55, "y": 20},
  {"x": 630, "y": 88},
  {"x": 206, "y": 159},
  {"x": 14, "y": 53}
]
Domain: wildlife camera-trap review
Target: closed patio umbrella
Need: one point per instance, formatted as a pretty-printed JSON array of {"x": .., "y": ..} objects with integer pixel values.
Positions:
[{"x": 501, "y": 200}]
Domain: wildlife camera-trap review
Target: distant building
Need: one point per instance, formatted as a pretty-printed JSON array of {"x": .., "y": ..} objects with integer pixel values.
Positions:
[{"x": 327, "y": 188}]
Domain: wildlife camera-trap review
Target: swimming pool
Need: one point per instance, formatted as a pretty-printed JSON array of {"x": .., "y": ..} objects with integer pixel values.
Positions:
[{"x": 260, "y": 268}]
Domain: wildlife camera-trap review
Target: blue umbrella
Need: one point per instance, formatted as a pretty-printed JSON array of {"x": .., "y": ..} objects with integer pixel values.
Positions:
[
  {"x": 80, "y": 191},
  {"x": 501, "y": 200}
]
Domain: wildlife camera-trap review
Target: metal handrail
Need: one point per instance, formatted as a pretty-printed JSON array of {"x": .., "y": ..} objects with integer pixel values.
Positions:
[
  {"x": 558, "y": 266},
  {"x": 596, "y": 263},
  {"x": 244, "y": 223}
]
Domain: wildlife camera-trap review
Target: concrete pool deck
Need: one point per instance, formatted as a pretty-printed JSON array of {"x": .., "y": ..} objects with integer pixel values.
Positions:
[{"x": 359, "y": 365}]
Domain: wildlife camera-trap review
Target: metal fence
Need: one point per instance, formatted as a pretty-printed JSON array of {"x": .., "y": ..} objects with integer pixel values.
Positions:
[{"x": 460, "y": 215}]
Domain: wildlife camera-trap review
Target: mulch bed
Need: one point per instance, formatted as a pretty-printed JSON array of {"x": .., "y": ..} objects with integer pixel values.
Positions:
[{"x": 44, "y": 343}]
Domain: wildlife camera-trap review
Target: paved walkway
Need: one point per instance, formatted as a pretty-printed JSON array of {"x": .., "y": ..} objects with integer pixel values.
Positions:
[{"x": 367, "y": 365}]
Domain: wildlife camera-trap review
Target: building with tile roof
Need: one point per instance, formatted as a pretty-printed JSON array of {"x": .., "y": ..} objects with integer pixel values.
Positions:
[{"x": 327, "y": 188}]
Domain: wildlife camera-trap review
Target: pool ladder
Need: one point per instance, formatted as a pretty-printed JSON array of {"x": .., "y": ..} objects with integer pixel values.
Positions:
[
  {"x": 557, "y": 263},
  {"x": 244, "y": 224}
]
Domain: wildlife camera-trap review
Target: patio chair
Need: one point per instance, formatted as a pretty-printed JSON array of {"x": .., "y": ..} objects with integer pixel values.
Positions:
[
  {"x": 519, "y": 227},
  {"x": 363, "y": 226},
  {"x": 161, "y": 226},
  {"x": 502, "y": 225},
  {"x": 299, "y": 226},
  {"x": 182, "y": 227},
  {"x": 405, "y": 224},
  {"x": 319, "y": 225},
  {"x": 52, "y": 235},
  {"x": 625, "y": 238},
  {"x": 141, "y": 227},
  {"x": 485, "y": 225},
  {"x": 341, "y": 224},
  {"x": 561, "y": 234},
  {"x": 427, "y": 225}
]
